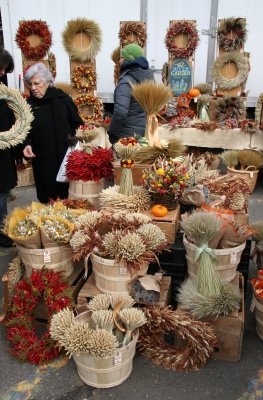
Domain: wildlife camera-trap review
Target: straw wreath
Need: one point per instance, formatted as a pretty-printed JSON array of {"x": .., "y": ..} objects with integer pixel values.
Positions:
[
  {"x": 88, "y": 27},
  {"x": 23, "y": 115},
  {"x": 198, "y": 338},
  {"x": 242, "y": 66},
  {"x": 132, "y": 28}
]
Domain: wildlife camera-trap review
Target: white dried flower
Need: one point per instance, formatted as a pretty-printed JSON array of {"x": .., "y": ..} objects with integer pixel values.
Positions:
[
  {"x": 102, "y": 343},
  {"x": 88, "y": 220},
  {"x": 103, "y": 319},
  {"x": 78, "y": 239},
  {"x": 60, "y": 323},
  {"x": 131, "y": 247},
  {"x": 152, "y": 235},
  {"x": 99, "y": 302}
]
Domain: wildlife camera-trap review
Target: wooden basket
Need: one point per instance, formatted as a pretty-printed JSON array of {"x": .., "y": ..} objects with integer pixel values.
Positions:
[
  {"x": 57, "y": 259},
  {"x": 227, "y": 260},
  {"x": 249, "y": 175},
  {"x": 105, "y": 372},
  {"x": 259, "y": 315},
  {"x": 25, "y": 177},
  {"x": 169, "y": 202},
  {"x": 86, "y": 190},
  {"x": 111, "y": 277}
]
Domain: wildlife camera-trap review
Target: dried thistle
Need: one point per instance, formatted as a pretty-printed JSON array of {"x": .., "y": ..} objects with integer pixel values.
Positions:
[
  {"x": 153, "y": 236},
  {"x": 230, "y": 158},
  {"x": 201, "y": 306},
  {"x": 102, "y": 343},
  {"x": 126, "y": 300},
  {"x": 60, "y": 323},
  {"x": 103, "y": 319},
  {"x": 100, "y": 302}
]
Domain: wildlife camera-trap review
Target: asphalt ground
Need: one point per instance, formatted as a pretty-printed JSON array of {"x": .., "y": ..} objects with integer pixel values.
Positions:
[{"x": 217, "y": 380}]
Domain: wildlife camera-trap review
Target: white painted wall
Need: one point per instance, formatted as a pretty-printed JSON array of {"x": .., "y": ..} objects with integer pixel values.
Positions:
[{"x": 109, "y": 13}]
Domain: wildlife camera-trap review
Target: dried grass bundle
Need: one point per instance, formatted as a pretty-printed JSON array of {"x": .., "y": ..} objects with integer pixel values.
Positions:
[
  {"x": 200, "y": 306},
  {"x": 102, "y": 343},
  {"x": 16, "y": 270},
  {"x": 77, "y": 339},
  {"x": 126, "y": 300},
  {"x": 248, "y": 158},
  {"x": 230, "y": 158},
  {"x": 132, "y": 319},
  {"x": 202, "y": 172},
  {"x": 111, "y": 200},
  {"x": 100, "y": 302},
  {"x": 65, "y": 87},
  {"x": 148, "y": 155},
  {"x": 115, "y": 55},
  {"x": 60, "y": 323},
  {"x": 103, "y": 319},
  {"x": 153, "y": 236},
  {"x": 201, "y": 227}
]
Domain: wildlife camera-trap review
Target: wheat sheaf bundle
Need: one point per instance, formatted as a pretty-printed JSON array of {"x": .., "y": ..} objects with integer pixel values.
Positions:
[
  {"x": 248, "y": 158},
  {"x": 87, "y": 27},
  {"x": 230, "y": 158},
  {"x": 111, "y": 200},
  {"x": 115, "y": 55},
  {"x": 23, "y": 118},
  {"x": 148, "y": 155}
]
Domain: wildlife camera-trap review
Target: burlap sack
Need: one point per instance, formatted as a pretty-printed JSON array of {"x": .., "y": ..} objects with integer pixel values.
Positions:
[{"x": 194, "y": 196}]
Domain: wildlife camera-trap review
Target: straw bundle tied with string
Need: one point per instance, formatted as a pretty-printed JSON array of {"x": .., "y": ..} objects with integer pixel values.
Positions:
[{"x": 152, "y": 97}]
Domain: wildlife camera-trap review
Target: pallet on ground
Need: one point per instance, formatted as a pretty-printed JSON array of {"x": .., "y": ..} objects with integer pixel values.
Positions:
[
  {"x": 168, "y": 224},
  {"x": 89, "y": 290}
]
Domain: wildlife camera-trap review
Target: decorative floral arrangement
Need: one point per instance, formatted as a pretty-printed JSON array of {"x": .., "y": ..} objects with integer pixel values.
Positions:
[
  {"x": 83, "y": 78},
  {"x": 39, "y": 28},
  {"x": 130, "y": 239},
  {"x": 229, "y": 108},
  {"x": 52, "y": 64},
  {"x": 26, "y": 345},
  {"x": 24, "y": 228},
  {"x": 237, "y": 28},
  {"x": 94, "y": 103},
  {"x": 229, "y": 123},
  {"x": 90, "y": 167},
  {"x": 182, "y": 27},
  {"x": 87, "y": 133},
  {"x": 166, "y": 177},
  {"x": 111, "y": 323},
  {"x": 134, "y": 29},
  {"x": 56, "y": 228}
]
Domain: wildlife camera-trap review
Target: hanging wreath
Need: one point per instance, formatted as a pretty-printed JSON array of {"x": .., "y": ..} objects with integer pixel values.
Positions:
[
  {"x": 23, "y": 116},
  {"x": 198, "y": 339},
  {"x": 132, "y": 28},
  {"x": 259, "y": 112},
  {"x": 186, "y": 28},
  {"x": 88, "y": 27},
  {"x": 22, "y": 334},
  {"x": 229, "y": 107},
  {"x": 242, "y": 66},
  {"x": 52, "y": 64},
  {"x": 81, "y": 73},
  {"x": 237, "y": 28},
  {"x": 94, "y": 103},
  {"x": 34, "y": 27}
]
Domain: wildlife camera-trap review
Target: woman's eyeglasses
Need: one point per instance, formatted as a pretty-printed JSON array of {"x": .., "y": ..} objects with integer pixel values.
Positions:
[{"x": 36, "y": 84}]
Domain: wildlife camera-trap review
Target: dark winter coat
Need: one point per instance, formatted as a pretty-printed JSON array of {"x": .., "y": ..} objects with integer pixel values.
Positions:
[
  {"x": 8, "y": 175},
  {"x": 55, "y": 117},
  {"x": 128, "y": 117}
]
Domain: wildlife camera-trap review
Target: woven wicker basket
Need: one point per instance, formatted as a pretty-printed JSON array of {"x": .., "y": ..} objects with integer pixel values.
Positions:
[
  {"x": 105, "y": 372},
  {"x": 25, "y": 177},
  {"x": 227, "y": 260},
  {"x": 170, "y": 202},
  {"x": 249, "y": 174},
  {"x": 56, "y": 258}
]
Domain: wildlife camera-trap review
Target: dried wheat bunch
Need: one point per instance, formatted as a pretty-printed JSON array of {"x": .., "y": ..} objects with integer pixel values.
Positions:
[
  {"x": 60, "y": 323},
  {"x": 201, "y": 226},
  {"x": 103, "y": 319},
  {"x": 132, "y": 319},
  {"x": 201, "y": 306},
  {"x": 131, "y": 247},
  {"x": 230, "y": 158},
  {"x": 151, "y": 96},
  {"x": 78, "y": 239},
  {"x": 76, "y": 339},
  {"x": 110, "y": 243},
  {"x": 153, "y": 236},
  {"x": 248, "y": 158},
  {"x": 111, "y": 200},
  {"x": 89, "y": 219},
  {"x": 87, "y": 135},
  {"x": 128, "y": 220},
  {"x": 126, "y": 300},
  {"x": 16, "y": 270},
  {"x": 115, "y": 55},
  {"x": 102, "y": 343},
  {"x": 148, "y": 155},
  {"x": 100, "y": 302}
]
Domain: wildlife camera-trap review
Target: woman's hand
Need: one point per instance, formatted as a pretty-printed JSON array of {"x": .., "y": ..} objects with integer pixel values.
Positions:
[{"x": 28, "y": 153}]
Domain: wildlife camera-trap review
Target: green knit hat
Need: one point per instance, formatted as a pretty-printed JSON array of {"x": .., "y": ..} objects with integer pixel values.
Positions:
[{"x": 131, "y": 52}]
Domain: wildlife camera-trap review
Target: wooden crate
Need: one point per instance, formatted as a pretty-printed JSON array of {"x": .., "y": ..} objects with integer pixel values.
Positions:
[
  {"x": 168, "y": 224},
  {"x": 137, "y": 172},
  {"x": 90, "y": 290},
  {"x": 229, "y": 330}
]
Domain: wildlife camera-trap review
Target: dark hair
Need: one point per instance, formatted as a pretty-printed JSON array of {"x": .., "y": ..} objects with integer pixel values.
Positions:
[{"x": 6, "y": 60}]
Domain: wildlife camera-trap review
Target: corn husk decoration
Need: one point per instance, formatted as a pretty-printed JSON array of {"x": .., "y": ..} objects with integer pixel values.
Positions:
[
  {"x": 201, "y": 228},
  {"x": 152, "y": 97},
  {"x": 126, "y": 149}
]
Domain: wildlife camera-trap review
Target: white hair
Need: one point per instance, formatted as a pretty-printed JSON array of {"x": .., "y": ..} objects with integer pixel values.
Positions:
[{"x": 42, "y": 70}]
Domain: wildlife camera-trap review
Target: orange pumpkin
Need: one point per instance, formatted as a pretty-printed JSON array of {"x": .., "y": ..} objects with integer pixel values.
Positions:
[
  {"x": 194, "y": 92},
  {"x": 159, "y": 211}
]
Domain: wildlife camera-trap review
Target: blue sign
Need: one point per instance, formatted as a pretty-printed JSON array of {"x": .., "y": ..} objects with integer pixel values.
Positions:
[{"x": 180, "y": 77}]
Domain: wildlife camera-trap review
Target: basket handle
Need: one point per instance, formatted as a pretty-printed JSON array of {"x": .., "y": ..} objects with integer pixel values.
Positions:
[{"x": 251, "y": 168}]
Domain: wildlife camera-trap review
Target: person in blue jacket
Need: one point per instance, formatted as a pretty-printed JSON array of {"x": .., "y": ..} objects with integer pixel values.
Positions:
[{"x": 128, "y": 117}]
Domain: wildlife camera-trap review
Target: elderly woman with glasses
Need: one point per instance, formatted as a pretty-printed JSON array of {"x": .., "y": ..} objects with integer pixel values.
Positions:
[{"x": 56, "y": 119}]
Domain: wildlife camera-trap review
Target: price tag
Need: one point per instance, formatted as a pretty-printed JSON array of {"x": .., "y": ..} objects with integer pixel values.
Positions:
[
  {"x": 252, "y": 307},
  {"x": 118, "y": 358},
  {"x": 47, "y": 257},
  {"x": 233, "y": 258},
  {"x": 123, "y": 271}
]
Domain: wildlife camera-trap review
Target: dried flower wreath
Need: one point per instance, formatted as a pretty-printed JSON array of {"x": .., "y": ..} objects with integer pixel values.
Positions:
[
  {"x": 83, "y": 78},
  {"x": 34, "y": 27},
  {"x": 94, "y": 103},
  {"x": 237, "y": 28},
  {"x": 132, "y": 28},
  {"x": 193, "y": 38}
]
